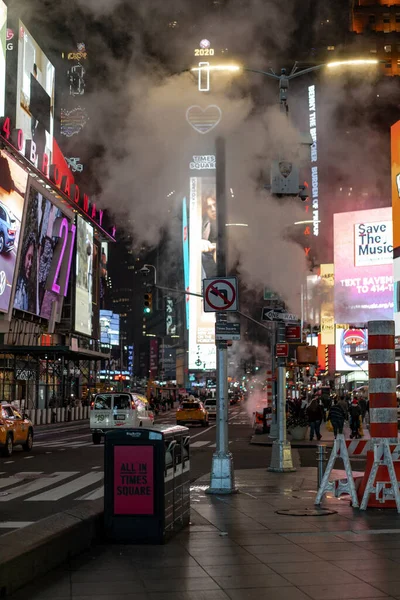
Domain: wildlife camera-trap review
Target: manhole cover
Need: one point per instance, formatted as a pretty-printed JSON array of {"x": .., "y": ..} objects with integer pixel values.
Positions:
[{"x": 306, "y": 512}]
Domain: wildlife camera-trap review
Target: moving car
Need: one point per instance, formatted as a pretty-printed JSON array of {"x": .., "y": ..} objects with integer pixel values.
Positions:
[
  {"x": 192, "y": 411},
  {"x": 15, "y": 430},
  {"x": 118, "y": 409},
  {"x": 211, "y": 407},
  {"x": 8, "y": 229}
]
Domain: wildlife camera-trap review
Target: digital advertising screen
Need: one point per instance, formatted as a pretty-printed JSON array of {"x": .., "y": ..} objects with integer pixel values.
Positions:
[
  {"x": 13, "y": 182},
  {"x": 327, "y": 308},
  {"x": 363, "y": 246},
  {"x": 45, "y": 257},
  {"x": 109, "y": 328},
  {"x": 185, "y": 249},
  {"x": 3, "y": 52},
  {"x": 202, "y": 252},
  {"x": 347, "y": 341},
  {"x": 395, "y": 159},
  {"x": 35, "y": 93},
  {"x": 84, "y": 277}
]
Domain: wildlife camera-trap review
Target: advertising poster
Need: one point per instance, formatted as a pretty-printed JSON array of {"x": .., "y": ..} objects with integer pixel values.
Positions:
[
  {"x": 13, "y": 182},
  {"x": 395, "y": 152},
  {"x": 45, "y": 252},
  {"x": 363, "y": 246},
  {"x": 3, "y": 52},
  {"x": 35, "y": 93},
  {"x": 153, "y": 367},
  {"x": 350, "y": 340},
  {"x": 327, "y": 307},
  {"x": 109, "y": 328},
  {"x": 202, "y": 251},
  {"x": 84, "y": 277},
  {"x": 185, "y": 248},
  {"x": 133, "y": 480}
]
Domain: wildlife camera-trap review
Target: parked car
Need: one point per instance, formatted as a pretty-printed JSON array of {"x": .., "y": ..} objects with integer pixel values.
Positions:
[
  {"x": 15, "y": 430},
  {"x": 8, "y": 229},
  {"x": 211, "y": 407}
]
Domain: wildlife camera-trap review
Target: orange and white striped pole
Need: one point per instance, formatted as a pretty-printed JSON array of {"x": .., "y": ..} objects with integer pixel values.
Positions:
[{"x": 382, "y": 380}]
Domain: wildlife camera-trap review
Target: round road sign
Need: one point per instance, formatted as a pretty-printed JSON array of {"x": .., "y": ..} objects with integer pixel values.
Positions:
[{"x": 220, "y": 294}]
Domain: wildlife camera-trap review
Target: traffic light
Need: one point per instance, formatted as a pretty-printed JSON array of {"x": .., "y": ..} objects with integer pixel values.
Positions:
[{"x": 148, "y": 303}]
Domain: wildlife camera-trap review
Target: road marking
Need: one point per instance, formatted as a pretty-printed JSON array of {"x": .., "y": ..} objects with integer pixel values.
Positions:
[
  {"x": 68, "y": 488},
  {"x": 213, "y": 446},
  {"x": 9, "y": 462},
  {"x": 96, "y": 467},
  {"x": 39, "y": 484},
  {"x": 95, "y": 495},
  {"x": 28, "y": 457},
  {"x": 12, "y": 480},
  {"x": 48, "y": 453},
  {"x": 15, "y": 524},
  {"x": 198, "y": 444}
]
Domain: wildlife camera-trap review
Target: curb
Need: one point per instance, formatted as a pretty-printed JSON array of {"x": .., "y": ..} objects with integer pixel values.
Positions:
[
  {"x": 306, "y": 445},
  {"x": 28, "y": 553}
]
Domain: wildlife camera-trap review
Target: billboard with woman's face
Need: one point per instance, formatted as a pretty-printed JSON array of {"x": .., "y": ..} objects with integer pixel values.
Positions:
[
  {"x": 84, "y": 277},
  {"x": 45, "y": 259},
  {"x": 13, "y": 182}
]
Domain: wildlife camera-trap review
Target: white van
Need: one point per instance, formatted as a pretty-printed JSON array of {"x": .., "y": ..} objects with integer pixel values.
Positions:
[{"x": 118, "y": 409}]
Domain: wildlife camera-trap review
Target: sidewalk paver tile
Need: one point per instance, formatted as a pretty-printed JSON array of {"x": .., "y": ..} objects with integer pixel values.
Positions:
[
  {"x": 238, "y": 559},
  {"x": 179, "y": 585},
  {"x": 198, "y": 595},
  {"x": 320, "y": 578},
  {"x": 107, "y": 587},
  {"x": 251, "y": 581},
  {"x": 360, "y": 565},
  {"x": 353, "y": 591},
  {"x": 267, "y": 549},
  {"x": 282, "y": 593},
  {"x": 232, "y": 570}
]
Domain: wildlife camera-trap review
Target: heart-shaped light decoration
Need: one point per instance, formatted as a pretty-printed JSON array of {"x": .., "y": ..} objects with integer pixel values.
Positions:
[{"x": 203, "y": 120}]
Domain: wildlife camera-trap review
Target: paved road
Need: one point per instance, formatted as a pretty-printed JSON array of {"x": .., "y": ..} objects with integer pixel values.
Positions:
[{"x": 65, "y": 468}]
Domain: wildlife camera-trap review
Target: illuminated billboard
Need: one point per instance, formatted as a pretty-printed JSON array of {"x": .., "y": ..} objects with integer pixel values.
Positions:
[
  {"x": 3, "y": 52},
  {"x": 363, "y": 243},
  {"x": 35, "y": 93},
  {"x": 348, "y": 341},
  {"x": 185, "y": 248},
  {"x": 395, "y": 147},
  {"x": 84, "y": 277},
  {"x": 13, "y": 182},
  {"x": 109, "y": 328},
  {"x": 327, "y": 308},
  {"x": 202, "y": 252},
  {"x": 45, "y": 255}
]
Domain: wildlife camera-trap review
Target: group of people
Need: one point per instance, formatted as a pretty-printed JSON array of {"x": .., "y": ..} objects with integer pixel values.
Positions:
[{"x": 337, "y": 411}]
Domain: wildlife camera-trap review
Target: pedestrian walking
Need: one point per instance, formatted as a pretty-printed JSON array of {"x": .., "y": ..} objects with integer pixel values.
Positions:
[
  {"x": 315, "y": 414},
  {"x": 336, "y": 417},
  {"x": 355, "y": 417},
  {"x": 363, "y": 407},
  {"x": 344, "y": 406}
]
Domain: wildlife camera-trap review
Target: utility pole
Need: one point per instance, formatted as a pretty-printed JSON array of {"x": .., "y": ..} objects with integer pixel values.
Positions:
[
  {"x": 222, "y": 475},
  {"x": 281, "y": 459}
]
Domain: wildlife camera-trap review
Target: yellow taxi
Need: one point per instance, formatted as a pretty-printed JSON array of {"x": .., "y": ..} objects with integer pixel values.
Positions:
[
  {"x": 192, "y": 411},
  {"x": 15, "y": 430}
]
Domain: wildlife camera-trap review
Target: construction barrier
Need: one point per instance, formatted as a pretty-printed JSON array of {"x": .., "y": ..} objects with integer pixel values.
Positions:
[
  {"x": 340, "y": 486},
  {"x": 383, "y": 411},
  {"x": 46, "y": 416}
]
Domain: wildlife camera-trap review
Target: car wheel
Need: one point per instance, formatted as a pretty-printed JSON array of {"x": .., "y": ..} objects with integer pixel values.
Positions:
[
  {"x": 1, "y": 242},
  {"x": 29, "y": 442},
  {"x": 8, "y": 448},
  {"x": 96, "y": 437},
  {"x": 204, "y": 423},
  {"x": 140, "y": 424}
]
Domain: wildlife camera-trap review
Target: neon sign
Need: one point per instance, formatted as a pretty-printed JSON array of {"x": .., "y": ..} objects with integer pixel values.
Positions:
[
  {"x": 28, "y": 149},
  {"x": 203, "y": 120}
]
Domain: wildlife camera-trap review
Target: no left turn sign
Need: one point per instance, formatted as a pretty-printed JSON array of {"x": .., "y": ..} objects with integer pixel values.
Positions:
[{"x": 220, "y": 295}]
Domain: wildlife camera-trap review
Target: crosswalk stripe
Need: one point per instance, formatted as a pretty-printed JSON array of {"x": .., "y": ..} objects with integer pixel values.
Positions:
[
  {"x": 38, "y": 484},
  {"x": 7, "y": 481},
  {"x": 15, "y": 524},
  {"x": 199, "y": 444},
  {"x": 213, "y": 446},
  {"x": 68, "y": 488},
  {"x": 95, "y": 495}
]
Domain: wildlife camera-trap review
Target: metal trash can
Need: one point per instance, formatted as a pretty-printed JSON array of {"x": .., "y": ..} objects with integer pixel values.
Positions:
[{"x": 146, "y": 484}]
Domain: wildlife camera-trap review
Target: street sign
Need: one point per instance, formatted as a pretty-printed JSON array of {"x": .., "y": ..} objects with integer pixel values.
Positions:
[
  {"x": 272, "y": 315},
  {"x": 227, "y": 331},
  {"x": 293, "y": 333},
  {"x": 282, "y": 350},
  {"x": 220, "y": 295}
]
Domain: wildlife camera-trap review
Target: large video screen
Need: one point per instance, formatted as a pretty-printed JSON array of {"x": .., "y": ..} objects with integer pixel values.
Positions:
[
  {"x": 13, "y": 182},
  {"x": 45, "y": 256},
  {"x": 363, "y": 257},
  {"x": 202, "y": 252},
  {"x": 347, "y": 342},
  {"x": 35, "y": 93},
  {"x": 109, "y": 328},
  {"x": 84, "y": 277},
  {"x": 3, "y": 52}
]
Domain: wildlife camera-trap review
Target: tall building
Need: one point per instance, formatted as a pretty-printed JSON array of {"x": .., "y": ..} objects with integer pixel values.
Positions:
[{"x": 378, "y": 23}]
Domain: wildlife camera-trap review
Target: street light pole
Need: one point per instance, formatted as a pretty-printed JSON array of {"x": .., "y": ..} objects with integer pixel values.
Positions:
[{"x": 222, "y": 479}]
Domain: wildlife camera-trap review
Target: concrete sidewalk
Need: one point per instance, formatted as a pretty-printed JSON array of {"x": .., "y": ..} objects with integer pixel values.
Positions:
[
  {"x": 327, "y": 438},
  {"x": 238, "y": 547}
]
